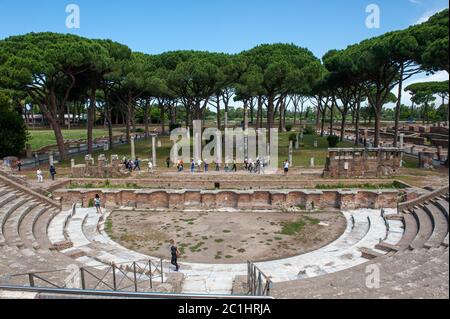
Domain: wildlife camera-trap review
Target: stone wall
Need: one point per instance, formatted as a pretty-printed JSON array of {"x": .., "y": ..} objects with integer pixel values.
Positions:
[
  {"x": 359, "y": 162},
  {"x": 250, "y": 199}
]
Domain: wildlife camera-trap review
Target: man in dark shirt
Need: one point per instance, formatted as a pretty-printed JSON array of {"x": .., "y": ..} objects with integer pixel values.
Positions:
[{"x": 174, "y": 254}]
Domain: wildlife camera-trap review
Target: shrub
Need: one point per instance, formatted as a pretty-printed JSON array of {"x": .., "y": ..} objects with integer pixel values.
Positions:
[
  {"x": 13, "y": 133},
  {"x": 309, "y": 130},
  {"x": 288, "y": 127},
  {"x": 333, "y": 140}
]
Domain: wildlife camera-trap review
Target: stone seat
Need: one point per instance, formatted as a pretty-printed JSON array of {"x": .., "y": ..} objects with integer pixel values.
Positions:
[
  {"x": 440, "y": 225},
  {"x": 425, "y": 228}
]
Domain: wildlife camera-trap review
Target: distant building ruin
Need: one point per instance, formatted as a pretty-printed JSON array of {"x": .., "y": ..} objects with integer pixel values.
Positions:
[
  {"x": 103, "y": 169},
  {"x": 361, "y": 162}
]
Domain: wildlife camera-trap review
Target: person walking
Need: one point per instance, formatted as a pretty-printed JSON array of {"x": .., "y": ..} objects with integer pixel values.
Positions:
[
  {"x": 40, "y": 177},
  {"x": 97, "y": 204},
  {"x": 192, "y": 166},
  {"x": 286, "y": 167},
  {"x": 150, "y": 167},
  {"x": 199, "y": 165},
  {"x": 52, "y": 172},
  {"x": 168, "y": 162},
  {"x": 206, "y": 166},
  {"x": 175, "y": 253},
  {"x": 137, "y": 164},
  {"x": 19, "y": 165}
]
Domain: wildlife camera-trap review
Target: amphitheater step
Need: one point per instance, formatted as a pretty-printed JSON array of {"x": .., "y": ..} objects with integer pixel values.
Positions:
[
  {"x": 425, "y": 228},
  {"x": 411, "y": 229},
  {"x": 440, "y": 226}
]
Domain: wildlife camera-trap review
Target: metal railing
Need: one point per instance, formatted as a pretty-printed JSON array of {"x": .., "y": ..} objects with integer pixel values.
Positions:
[
  {"x": 130, "y": 276},
  {"x": 258, "y": 284},
  {"x": 97, "y": 294}
]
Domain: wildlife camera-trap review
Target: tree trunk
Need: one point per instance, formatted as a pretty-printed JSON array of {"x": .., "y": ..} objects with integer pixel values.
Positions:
[
  {"x": 357, "y": 108},
  {"x": 90, "y": 121},
  {"x": 397, "y": 107},
  {"x": 343, "y": 120},
  {"x": 146, "y": 117},
  {"x": 218, "y": 112},
  {"x": 161, "y": 112}
]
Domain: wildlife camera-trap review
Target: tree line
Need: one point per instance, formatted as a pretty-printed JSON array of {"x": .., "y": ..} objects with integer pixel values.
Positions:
[{"x": 66, "y": 74}]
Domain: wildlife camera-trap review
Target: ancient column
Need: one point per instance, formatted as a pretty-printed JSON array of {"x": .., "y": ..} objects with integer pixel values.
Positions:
[
  {"x": 154, "y": 150},
  {"x": 133, "y": 151}
]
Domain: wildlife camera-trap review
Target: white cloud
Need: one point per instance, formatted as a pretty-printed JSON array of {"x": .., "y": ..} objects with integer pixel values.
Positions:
[
  {"x": 422, "y": 77},
  {"x": 427, "y": 15},
  {"x": 415, "y": 1}
]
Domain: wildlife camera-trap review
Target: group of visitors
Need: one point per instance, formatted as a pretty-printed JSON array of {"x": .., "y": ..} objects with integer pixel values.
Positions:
[{"x": 131, "y": 165}]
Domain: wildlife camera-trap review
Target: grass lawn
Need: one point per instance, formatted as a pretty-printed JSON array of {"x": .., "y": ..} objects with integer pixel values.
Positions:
[
  {"x": 300, "y": 157},
  {"x": 41, "y": 138}
]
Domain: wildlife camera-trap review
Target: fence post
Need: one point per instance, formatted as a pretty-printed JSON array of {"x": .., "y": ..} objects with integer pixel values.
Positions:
[
  {"x": 162, "y": 272},
  {"x": 31, "y": 278},
  {"x": 135, "y": 279},
  {"x": 114, "y": 276},
  {"x": 151, "y": 275},
  {"x": 83, "y": 282}
]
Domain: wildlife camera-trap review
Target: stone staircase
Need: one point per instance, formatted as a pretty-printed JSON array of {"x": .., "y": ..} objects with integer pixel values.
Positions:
[{"x": 26, "y": 247}]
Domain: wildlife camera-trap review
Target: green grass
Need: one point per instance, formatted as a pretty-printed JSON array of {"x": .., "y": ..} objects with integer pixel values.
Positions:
[
  {"x": 292, "y": 228},
  {"x": 41, "y": 138},
  {"x": 395, "y": 185}
]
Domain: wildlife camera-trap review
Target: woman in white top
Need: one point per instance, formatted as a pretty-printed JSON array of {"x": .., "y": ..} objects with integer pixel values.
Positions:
[{"x": 40, "y": 178}]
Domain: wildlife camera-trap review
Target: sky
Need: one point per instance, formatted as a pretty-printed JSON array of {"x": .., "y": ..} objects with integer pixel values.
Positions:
[{"x": 155, "y": 26}]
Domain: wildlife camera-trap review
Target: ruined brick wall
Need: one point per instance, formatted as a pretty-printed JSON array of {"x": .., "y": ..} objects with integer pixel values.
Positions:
[
  {"x": 350, "y": 163},
  {"x": 261, "y": 199}
]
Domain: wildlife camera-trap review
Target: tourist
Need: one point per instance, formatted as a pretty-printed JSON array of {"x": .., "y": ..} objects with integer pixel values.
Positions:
[
  {"x": 137, "y": 165},
  {"x": 199, "y": 165},
  {"x": 192, "y": 166},
  {"x": 97, "y": 204},
  {"x": 52, "y": 172},
  {"x": 206, "y": 166},
  {"x": 217, "y": 167},
  {"x": 226, "y": 168},
  {"x": 234, "y": 167},
  {"x": 19, "y": 165},
  {"x": 168, "y": 162},
  {"x": 150, "y": 166},
  {"x": 40, "y": 178},
  {"x": 175, "y": 253},
  {"x": 286, "y": 167}
]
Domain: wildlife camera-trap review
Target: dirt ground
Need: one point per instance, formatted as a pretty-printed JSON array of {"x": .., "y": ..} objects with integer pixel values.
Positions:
[{"x": 225, "y": 237}]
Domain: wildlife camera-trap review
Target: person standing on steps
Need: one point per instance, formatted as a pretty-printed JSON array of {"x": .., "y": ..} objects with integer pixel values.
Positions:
[
  {"x": 40, "y": 178},
  {"x": 52, "y": 172},
  {"x": 97, "y": 204},
  {"x": 168, "y": 162},
  {"x": 175, "y": 253},
  {"x": 286, "y": 167}
]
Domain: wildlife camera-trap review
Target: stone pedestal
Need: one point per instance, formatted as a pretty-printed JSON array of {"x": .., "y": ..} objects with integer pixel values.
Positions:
[{"x": 311, "y": 162}]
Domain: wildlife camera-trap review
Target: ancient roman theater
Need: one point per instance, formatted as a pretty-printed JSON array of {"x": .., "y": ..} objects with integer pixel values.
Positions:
[{"x": 238, "y": 234}]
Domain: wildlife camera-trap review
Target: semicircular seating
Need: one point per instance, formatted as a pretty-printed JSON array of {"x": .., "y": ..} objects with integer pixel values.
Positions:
[{"x": 409, "y": 248}]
